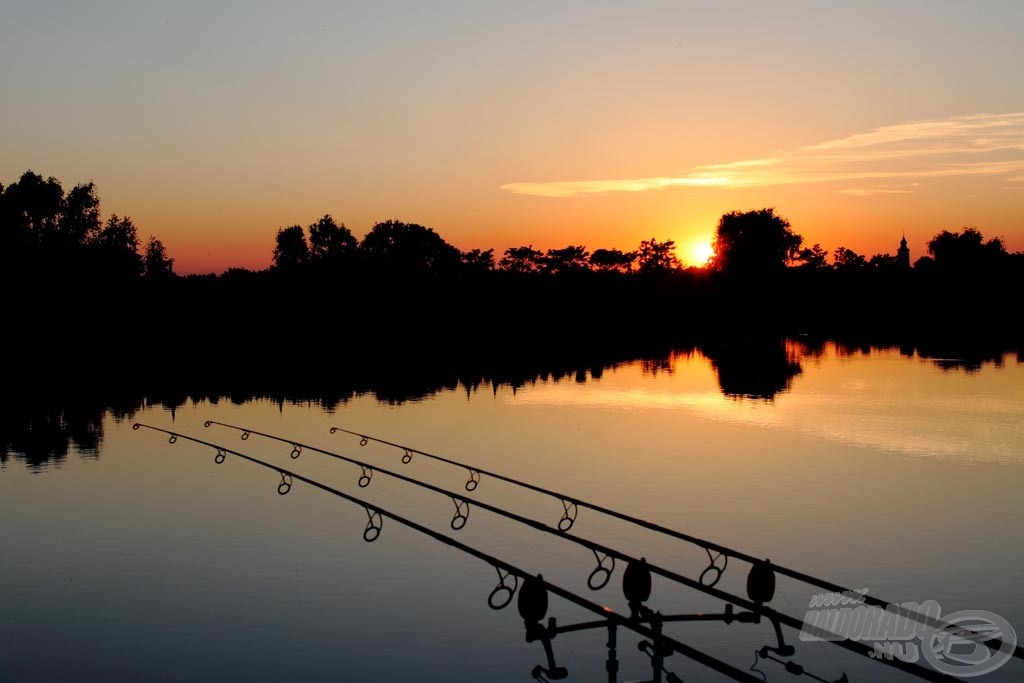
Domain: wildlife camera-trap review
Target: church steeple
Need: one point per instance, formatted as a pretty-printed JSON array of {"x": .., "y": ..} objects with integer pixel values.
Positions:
[{"x": 903, "y": 253}]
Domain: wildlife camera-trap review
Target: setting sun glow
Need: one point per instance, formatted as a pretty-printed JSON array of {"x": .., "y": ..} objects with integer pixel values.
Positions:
[
  {"x": 700, "y": 252},
  {"x": 507, "y": 147}
]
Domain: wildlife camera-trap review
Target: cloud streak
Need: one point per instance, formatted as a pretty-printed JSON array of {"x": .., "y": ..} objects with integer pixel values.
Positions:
[
  {"x": 905, "y": 188},
  {"x": 975, "y": 145}
]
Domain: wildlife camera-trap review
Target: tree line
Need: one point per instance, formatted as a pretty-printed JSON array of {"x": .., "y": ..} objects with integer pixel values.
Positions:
[
  {"x": 85, "y": 294},
  {"x": 753, "y": 243},
  {"x": 44, "y": 423},
  {"x": 44, "y": 227},
  {"x": 412, "y": 248}
]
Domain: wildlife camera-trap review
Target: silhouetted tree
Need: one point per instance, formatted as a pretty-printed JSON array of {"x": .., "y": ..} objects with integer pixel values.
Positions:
[
  {"x": 156, "y": 264},
  {"x": 409, "y": 249},
  {"x": 238, "y": 277},
  {"x": 884, "y": 262},
  {"x": 330, "y": 242},
  {"x": 814, "y": 258},
  {"x": 119, "y": 234},
  {"x": 571, "y": 259},
  {"x": 8, "y": 237},
  {"x": 79, "y": 222},
  {"x": 290, "y": 250},
  {"x": 754, "y": 243},
  {"x": 32, "y": 207},
  {"x": 117, "y": 248},
  {"x": 477, "y": 261},
  {"x": 613, "y": 260},
  {"x": 657, "y": 257},
  {"x": 848, "y": 259},
  {"x": 522, "y": 260},
  {"x": 924, "y": 264},
  {"x": 966, "y": 250},
  {"x": 47, "y": 233}
]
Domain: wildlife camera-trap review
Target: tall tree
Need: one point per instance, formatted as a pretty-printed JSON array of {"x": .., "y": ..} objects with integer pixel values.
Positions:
[
  {"x": 330, "y": 242},
  {"x": 657, "y": 257},
  {"x": 119, "y": 234},
  {"x": 32, "y": 207},
  {"x": 848, "y": 259},
  {"x": 570, "y": 259},
  {"x": 290, "y": 248},
  {"x": 478, "y": 261},
  {"x": 408, "y": 249},
  {"x": 79, "y": 222},
  {"x": 966, "y": 250},
  {"x": 522, "y": 260},
  {"x": 117, "y": 248},
  {"x": 813, "y": 258},
  {"x": 156, "y": 265},
  {"x": 754, "y": 243}
]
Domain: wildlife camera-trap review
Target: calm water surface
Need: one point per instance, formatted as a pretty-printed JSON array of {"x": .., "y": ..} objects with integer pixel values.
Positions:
[{"x": 148, "y": 561}]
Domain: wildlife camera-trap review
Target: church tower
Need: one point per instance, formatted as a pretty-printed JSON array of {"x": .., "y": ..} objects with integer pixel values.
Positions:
[{"x": 903, "y": 253}]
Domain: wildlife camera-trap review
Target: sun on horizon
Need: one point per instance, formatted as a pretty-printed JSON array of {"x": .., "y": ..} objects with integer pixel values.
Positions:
[{"x": 700, "y": 253}]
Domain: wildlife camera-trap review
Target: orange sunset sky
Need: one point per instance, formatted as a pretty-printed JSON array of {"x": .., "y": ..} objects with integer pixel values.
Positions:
[{"x": 499, "y": 124}]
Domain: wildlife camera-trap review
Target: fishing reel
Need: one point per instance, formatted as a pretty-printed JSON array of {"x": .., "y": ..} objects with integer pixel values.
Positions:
[{"x": 533, "y": 607}]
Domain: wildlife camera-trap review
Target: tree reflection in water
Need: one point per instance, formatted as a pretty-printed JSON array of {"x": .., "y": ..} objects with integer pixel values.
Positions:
[{"x": 48, "y": 416}]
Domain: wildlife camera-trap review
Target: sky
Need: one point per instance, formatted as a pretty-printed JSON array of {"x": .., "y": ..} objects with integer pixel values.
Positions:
[{"x": 498, "y": 124}]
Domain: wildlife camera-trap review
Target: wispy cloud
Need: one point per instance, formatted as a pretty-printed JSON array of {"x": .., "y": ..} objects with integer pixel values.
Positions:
[
  {"x": 976, "y": 145},
  {"x": 906, "y": 188}
]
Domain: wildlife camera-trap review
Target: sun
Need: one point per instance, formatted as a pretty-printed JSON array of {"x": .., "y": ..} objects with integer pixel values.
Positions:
[{"x": 700, "y": 252}]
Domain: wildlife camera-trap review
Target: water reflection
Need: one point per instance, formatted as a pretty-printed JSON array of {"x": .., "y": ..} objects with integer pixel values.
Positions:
[
  {"x": 44, "y": 434},
  {"x": 883, "y": 400},
  {"x": 756, "y": 368},
  {"x": 210, "y": 558},
  {"x": 43, "y": 423}
]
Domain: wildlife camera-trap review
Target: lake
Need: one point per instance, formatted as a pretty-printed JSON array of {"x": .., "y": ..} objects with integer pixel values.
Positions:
[{"x": 130, "y": 558}]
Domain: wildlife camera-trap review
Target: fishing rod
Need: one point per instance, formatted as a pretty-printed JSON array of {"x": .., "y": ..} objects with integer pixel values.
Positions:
[
  {"x": 571, "y": 505},
  {"x": 602, "y": 573},
  {"x": 597, "y": 579},
  {"x": 532, "y": 600}
]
